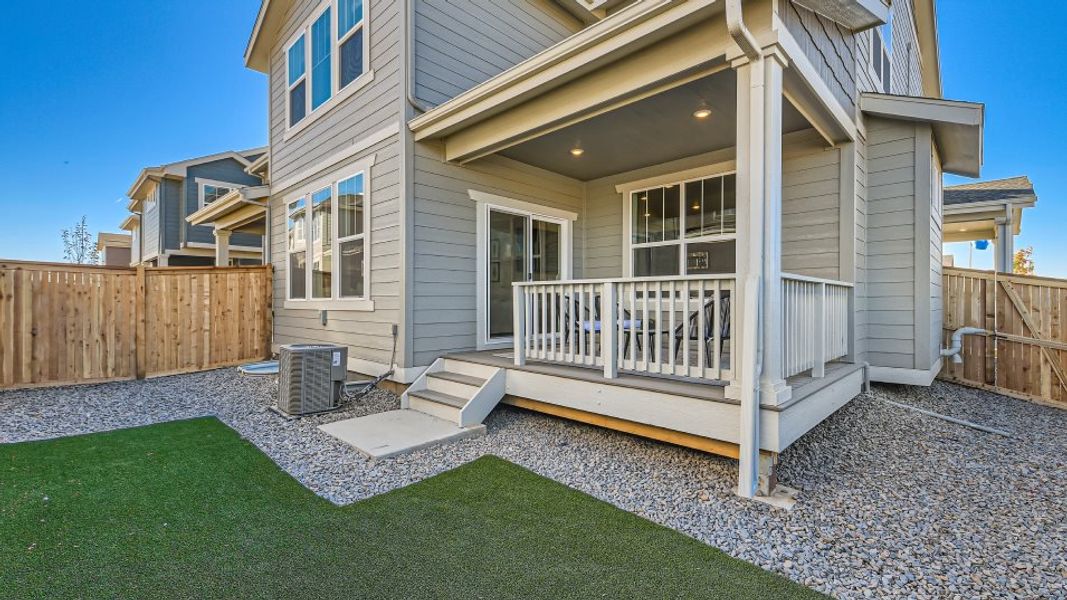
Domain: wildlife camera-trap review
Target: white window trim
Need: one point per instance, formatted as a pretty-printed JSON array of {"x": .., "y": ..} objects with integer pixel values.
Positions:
[
  {"x": 335, "y": 302},
  {"x": 201, "y": 183},
  {"x": 681, "y": 178},
  {"x": 338, "y": 94},
  {"x": 485, "y": 202}
]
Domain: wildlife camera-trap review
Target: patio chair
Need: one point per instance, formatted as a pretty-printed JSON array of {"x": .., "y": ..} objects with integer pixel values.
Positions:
[
  {"x": 708, "y": 338},
  {"x": 630, "y": 324}
]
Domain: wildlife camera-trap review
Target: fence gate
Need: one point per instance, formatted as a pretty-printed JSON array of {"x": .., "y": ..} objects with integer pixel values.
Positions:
[
  {"x": 62, "y": 324},
  {"x": 1026, "y": 353}
]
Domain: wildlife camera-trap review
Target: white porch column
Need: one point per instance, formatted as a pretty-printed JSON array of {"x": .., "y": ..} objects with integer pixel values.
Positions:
[
  {"x": 773, "y": 388},
  {"x": 1004, "y": 245},
  {"x": 222, "y": 247},
  {"x": 749, "y": 244}
]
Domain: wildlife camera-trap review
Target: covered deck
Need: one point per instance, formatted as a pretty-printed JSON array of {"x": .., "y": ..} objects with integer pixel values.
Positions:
[{"x": 669, "y": 299}]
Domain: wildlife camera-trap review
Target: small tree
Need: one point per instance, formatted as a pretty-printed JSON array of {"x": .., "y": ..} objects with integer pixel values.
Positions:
[
  {"x": 78, "y": 246},
  {"x": 1023, "y": 261}
]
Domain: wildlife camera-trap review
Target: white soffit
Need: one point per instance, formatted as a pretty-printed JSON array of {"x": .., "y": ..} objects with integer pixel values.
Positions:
[
  {"x": 958, "y": 126},
  {"x": 856, "y": 15}
]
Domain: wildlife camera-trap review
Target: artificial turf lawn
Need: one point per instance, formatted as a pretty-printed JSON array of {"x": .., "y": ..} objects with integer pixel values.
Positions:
[{"x": 190, "y": 509}]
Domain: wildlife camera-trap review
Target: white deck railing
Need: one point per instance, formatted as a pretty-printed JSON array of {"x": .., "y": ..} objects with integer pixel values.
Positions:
[
  {"x": 650, "y": 325},
  {"x": 817, "y": 318}
]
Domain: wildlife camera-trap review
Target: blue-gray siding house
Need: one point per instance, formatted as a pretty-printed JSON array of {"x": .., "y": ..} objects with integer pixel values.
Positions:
[{"x": 162, "y": 197}]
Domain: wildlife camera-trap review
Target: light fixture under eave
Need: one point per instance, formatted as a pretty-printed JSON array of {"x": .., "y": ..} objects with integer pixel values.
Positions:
[
  {"x": 703, "y": 112},
  {"x": 577, "y": 151}
]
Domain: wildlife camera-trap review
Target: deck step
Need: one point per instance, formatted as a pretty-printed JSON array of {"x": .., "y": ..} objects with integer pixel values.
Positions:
[
  {"x": 459, "y": 378},
  {"x": 441, "y": 398}
]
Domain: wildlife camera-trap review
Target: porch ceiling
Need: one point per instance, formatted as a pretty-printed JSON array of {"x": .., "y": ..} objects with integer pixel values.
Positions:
[{"x": 652, "y": 131}]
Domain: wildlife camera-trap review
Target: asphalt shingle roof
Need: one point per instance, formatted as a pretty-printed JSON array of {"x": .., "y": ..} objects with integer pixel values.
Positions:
[{"x": 1012, "y": 188}]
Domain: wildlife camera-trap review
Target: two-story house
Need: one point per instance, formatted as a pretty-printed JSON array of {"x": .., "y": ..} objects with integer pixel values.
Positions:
[
  {"x": 163, "y": 197},
  {"x": 702, "y": 221}
]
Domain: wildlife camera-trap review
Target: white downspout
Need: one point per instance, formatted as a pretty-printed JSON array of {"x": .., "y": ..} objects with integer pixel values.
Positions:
[
  {"x": 409, "y": 56},
  {"x": 735, "y": 24},
  {"x": 748, "y": 425}
]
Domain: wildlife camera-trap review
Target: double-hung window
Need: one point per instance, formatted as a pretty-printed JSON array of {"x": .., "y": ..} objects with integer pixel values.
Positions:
[
  {"x": 327, "y": 240},
  {"x": 882, "y": 53},
  {"x": 684, "y": 228},
  {"x": 327, "y": 56}
]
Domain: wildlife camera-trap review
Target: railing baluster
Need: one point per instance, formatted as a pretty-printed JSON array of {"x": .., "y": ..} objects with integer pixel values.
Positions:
[
  {"x": 716, "y": 331},
  {"x": 671, "y": 310}
]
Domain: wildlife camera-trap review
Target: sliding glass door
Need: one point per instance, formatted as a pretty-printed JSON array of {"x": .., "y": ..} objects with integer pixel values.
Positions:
[{"x": 521, "y": 247}]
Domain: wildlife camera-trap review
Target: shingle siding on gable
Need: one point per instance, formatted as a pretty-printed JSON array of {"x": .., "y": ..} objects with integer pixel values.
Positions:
[
  {"x": 228, "y": 170},
  {"x": 828, "y": 46}
]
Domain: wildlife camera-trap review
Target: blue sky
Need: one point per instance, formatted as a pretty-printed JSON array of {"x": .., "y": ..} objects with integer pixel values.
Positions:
[
  {"x": 99, "y": 90},
  {"x": 89, "y": 99}
]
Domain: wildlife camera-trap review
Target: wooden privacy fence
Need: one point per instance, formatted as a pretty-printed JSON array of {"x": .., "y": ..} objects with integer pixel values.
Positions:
[
  {"x": 62, "y": 324},
  {"x": 1026, "y": 354}
]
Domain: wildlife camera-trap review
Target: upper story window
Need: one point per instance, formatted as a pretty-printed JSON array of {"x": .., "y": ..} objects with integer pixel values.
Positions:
[
  {"x": 325, "y": 58},
  {"x": 152, "y": 198},
  {"x": 209, "y": 191},
  {"x": 881, "y": 54},
  {"x": 326, "y": 241},
  {"x": 684, "y": 228}
]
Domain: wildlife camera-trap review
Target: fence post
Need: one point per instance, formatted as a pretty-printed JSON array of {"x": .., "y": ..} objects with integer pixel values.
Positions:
[
  {"x": 519, "y": 333},
  {"x": 819, "y": 367},
  {"x": 269, "y": 335},
  {"x": 609, "y": 320},
  {"x": 140, "y": 306}
]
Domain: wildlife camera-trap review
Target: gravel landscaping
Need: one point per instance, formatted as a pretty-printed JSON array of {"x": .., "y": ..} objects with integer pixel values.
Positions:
[{"x": 894, "y": 503}]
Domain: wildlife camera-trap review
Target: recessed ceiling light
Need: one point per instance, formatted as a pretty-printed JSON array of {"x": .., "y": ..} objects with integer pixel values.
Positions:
[
  {"x": 702, "y": 113},
  {"x": 577, "y": 151}
]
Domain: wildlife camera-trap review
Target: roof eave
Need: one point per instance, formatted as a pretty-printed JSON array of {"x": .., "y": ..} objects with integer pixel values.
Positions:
[
  {"x": 958, "y": 126},
  {"x": 856, "y": 15}
]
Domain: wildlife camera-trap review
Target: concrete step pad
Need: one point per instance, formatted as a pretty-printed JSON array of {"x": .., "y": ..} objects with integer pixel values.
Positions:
[
  {"x": 458, "y": 378},
  {"x": 441, "y": 398},
  {"x": 396, "y": 432}
]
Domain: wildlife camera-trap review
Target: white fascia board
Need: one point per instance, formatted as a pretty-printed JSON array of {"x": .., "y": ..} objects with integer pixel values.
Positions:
[{"x": 958, "y": 126}]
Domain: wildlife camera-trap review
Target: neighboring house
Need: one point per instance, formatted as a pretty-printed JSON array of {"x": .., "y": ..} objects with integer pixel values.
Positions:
[
  {"x": 163, "y": 197},
  {"x": 114, "y": 249},
  {"x": 667, "y": 217},
  {"x": 989, "y": 210}
]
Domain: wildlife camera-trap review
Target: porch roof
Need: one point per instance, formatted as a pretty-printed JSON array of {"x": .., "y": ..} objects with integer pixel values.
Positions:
[
  {"x": 958, "y": 126},
  {"x": 523, "y": 91},
  {"x": 240, "y": 209},
  {"x": 972, "y": 209}
]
